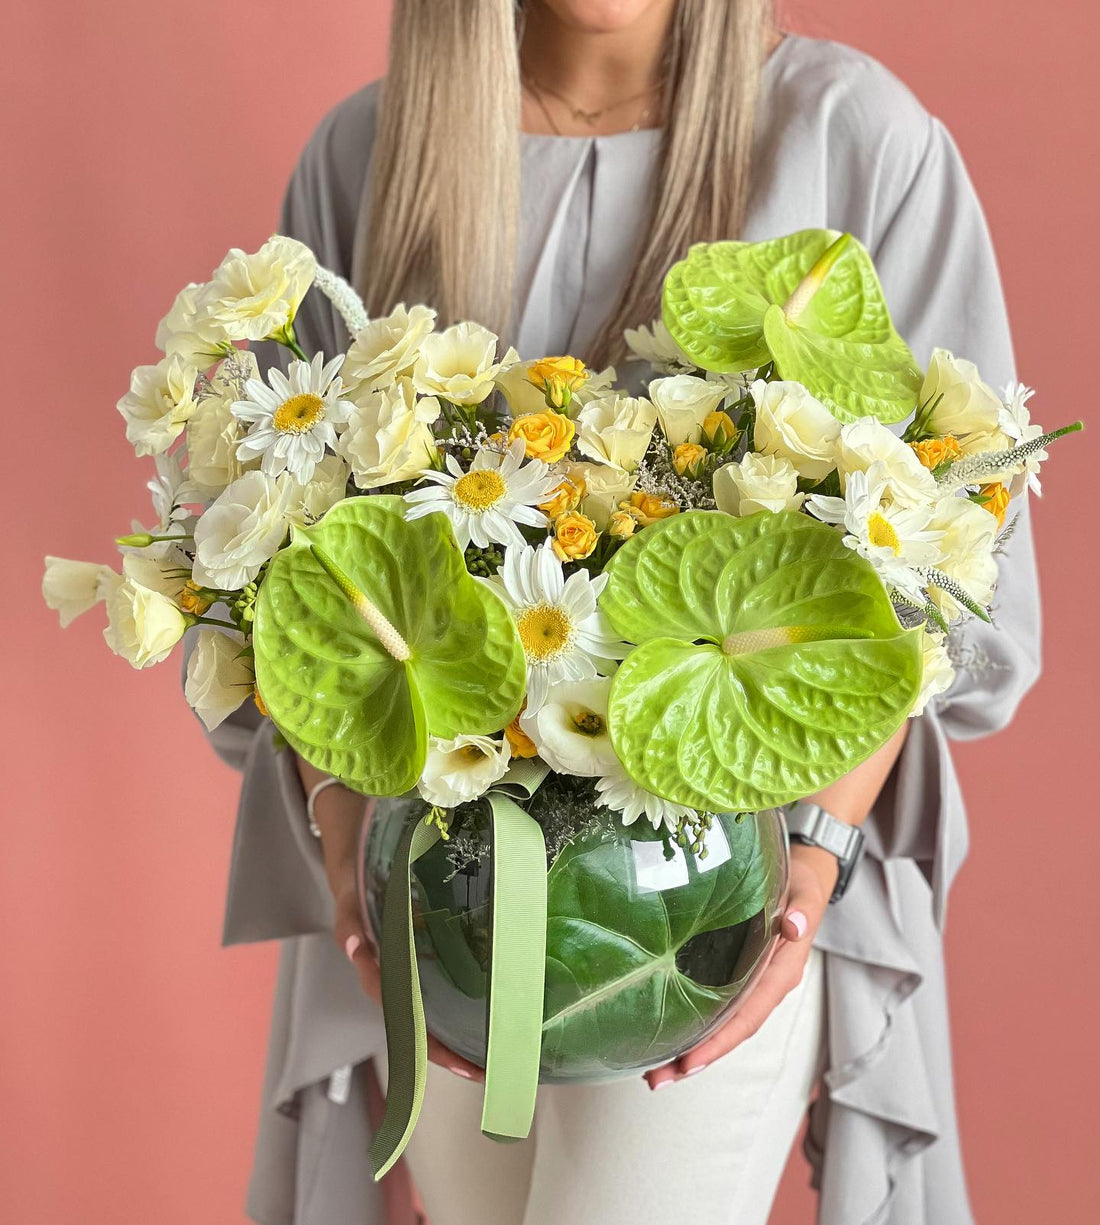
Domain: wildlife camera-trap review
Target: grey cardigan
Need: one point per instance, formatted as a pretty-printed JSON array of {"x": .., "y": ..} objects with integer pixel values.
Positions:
[{"x": 840, "y": 143}]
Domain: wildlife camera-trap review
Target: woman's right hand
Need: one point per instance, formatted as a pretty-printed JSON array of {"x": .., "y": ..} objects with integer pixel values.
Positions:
[{"x": 340, "y": 814}]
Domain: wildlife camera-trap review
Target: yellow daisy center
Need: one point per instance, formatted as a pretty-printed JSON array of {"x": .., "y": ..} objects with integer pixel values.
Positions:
[
  {"x": 588, "y": 723},
  {"x": 544, "y": 630},
  {"x": 880, "y": 531},
  {"x": 479, "y": 490},
  {"x": 299, "y": 414}
]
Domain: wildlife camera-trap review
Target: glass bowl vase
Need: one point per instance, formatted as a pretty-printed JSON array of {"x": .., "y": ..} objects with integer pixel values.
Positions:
[{"x": 652, "y": 943}]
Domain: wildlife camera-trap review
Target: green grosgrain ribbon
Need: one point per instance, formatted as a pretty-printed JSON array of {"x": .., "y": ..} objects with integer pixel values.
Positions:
[{"x": 516, "y": 974}]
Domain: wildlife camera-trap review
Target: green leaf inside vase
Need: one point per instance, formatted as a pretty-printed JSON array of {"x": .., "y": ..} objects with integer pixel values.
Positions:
[
  {"x": 347, "y": 702},
  {"x": 770, "y": 660},
  {"x": 811, "y": 303}
]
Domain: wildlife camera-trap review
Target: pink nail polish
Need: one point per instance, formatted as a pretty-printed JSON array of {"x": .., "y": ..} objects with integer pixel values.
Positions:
[
  {"x": 660, "y": 1085},
  {"x": 352, "y": 945},
  {"x": 798, "y": 921},
  {"x": 698, "y": 1068},
  {"x": 463, "y": 1073}
]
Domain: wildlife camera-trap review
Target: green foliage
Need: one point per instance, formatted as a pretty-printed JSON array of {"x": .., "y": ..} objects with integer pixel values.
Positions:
[
  {"x": 810, "y": 303},
  {"x": 770, "y": 660},
  {"x": 338, "y": 695}
]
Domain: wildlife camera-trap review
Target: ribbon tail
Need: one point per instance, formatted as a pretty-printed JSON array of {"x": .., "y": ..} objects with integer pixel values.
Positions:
[
  {"x": 402, "y": 1005},
  {"x": 517, "y": 972}
]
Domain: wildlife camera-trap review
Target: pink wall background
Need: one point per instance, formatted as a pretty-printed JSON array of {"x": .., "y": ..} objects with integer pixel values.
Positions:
[{"x": 143, "y": 138}]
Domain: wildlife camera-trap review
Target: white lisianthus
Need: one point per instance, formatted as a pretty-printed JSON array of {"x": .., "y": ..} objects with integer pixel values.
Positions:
[
  {"x": 142, "y": 625},
  {"x": 457, "y": 364},
  {"x": 186, "y": 333},
  {"x": 160, "y": 402},
  {"x": 570, "y": 729},
  {"x": 387, "y": 348},
  {"x": 968, "y": 534},
  {"x": 295, "y": 418},
  {"x": 599, "y": 384},
  {"x": 253, "y": 297},
  {"x": 1017, "y": 427},
  {"x": 866, "y": 442},
  {"x": 967, "y": 406},
  {"x": 793, "y": 424},
  {"x": 72, "y": 587},
  {"x": 219, "y": 675},
  {"x": 604, "y": 488},
  {"x": 389, "y": 435},
  {"x": 938, "y": 673},
  {"x": 213, "y": 432},
  {"x": 328, "y": 486},
  {"x": 683, "y": 402},
  {"x": 758, "y": 482},
  {"x": 167, "y": 574},
  {"x": 620, "y": 793},
  {"x": 616, "y": 430},
  {"x": 241, "y": 529},
  {"x": 897, "y": 540},
  {"x": 654, "y": 344},
  {"x": 461, "y": 769}
]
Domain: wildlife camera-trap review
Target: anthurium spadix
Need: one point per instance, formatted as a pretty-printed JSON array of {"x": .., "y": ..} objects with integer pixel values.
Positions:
[
  {"x": 811, "y": 303},
  {"x": 769, "y": 660},
  {"x": 370, "y": 635}
]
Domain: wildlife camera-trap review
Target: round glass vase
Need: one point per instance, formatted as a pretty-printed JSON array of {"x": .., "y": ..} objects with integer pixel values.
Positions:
[{"x": 651, "y": 945}]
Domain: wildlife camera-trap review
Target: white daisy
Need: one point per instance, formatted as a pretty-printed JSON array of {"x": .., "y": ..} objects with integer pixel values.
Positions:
[
  {"x": 564, "y": 634},
  {"x": 485, "y": 504},
  {"x": 896, "y": 540},
  {"x": 295, "y": 418},
  {"x": 1015, "y": 421},
  {"x": 619, "y": 792}
]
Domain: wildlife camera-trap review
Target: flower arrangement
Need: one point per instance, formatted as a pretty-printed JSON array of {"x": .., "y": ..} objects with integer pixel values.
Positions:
[{"x": 686, "y": 605}]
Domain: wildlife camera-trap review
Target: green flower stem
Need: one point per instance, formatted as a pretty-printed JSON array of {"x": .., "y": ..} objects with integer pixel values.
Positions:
[{"x": 194, "y": 620}]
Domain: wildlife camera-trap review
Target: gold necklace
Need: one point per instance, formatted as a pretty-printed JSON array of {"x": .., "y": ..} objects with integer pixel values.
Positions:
[{"x": 580, "y": 115}]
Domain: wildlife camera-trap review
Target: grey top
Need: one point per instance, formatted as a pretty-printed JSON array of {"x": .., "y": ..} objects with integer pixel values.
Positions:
[{"x": 840, "y": 143}]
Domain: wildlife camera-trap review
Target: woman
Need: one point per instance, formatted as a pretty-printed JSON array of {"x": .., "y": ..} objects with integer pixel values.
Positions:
[{"x": 643, "y": 125}]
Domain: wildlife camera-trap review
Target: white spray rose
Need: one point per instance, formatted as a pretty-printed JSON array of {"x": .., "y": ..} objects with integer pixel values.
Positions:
[
  {"x": 616, "y": 430},
  {"x": 683, "y": 402},
  {"x": 241, "y": 529},
  {"x": 389, "y": 436},
  {"x": 461, "y": 769},
  {"x": 938, "y": 672},
  {"x": 570, "y": 729},
  {"x": 143, "y": 625},
  {"x": 387, "y": 348},
  {"x": 457, "y": 364},
  {"x": 867, "y": 441},
  {"x": 794, "y": 425},
  {"x": 969, "y": 534},
  {"x": 219, "y": 676},
  {"x": 758, "y": 482},
  {"x": 72, "y": 587},
  {"x": 968, "y": 406},
  {"x": 160, "y": 402},
  {"x": 252, "y": 297}
]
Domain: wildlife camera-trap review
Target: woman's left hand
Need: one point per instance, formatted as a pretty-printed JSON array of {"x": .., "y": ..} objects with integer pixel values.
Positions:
[{"x": 813, "y": 877}]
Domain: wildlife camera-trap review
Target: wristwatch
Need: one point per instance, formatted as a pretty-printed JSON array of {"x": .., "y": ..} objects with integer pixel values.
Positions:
[{"x": 811, "y": 825}]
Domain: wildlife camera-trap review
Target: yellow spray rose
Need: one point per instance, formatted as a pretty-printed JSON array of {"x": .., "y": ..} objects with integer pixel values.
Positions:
[
  {"x": 557, "y": 378},
  {"x": 719, "y": 430},
  {"x": 522, "y": 744},
  {"x": 547, "y": 436},
  {"x": 995, "y": 499},
  {"x": 566, "y": 497},
  {"x": 647, "y": 508},
  {"x": 935, "y": 451},
  {"x": 687, "y": 457},
  {"x": 621, "y": 525},
  {"x": 575, "y": 536}
]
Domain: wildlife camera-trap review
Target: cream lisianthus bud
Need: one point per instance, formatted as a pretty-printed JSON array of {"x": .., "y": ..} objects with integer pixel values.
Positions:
[
  {"x": 72, "y": 587},
  {"x": 457, "y": 364},
  {"x": 793, "y": 425},
  {"x": 758, "y": 482},
  {"x": 966, "y": 404},
  {"x": 219, "y": 676},
  {"x": 616, "y": 430},
  {"x": 143, "y": 625}
]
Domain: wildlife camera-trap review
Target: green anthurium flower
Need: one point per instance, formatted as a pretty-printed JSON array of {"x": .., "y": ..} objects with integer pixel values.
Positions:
[
  {"x": 770, "y": 659},
  {"x": 370, "y": 636},
  {"x": 811, "y": 303}
]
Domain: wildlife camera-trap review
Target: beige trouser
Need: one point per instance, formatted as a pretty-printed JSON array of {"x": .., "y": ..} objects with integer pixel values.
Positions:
[{"x": 708, "y": 1150}]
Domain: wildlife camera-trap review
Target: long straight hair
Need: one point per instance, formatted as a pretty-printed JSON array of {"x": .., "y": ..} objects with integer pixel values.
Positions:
[{"x": 438, "y": 222}]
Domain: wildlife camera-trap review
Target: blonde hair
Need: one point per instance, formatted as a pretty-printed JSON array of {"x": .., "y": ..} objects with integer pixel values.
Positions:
[{"x": 439, "y": 221}]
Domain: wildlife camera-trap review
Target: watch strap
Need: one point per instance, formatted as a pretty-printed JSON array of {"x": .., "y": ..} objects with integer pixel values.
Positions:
[{"x": 813, "y": 825}]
